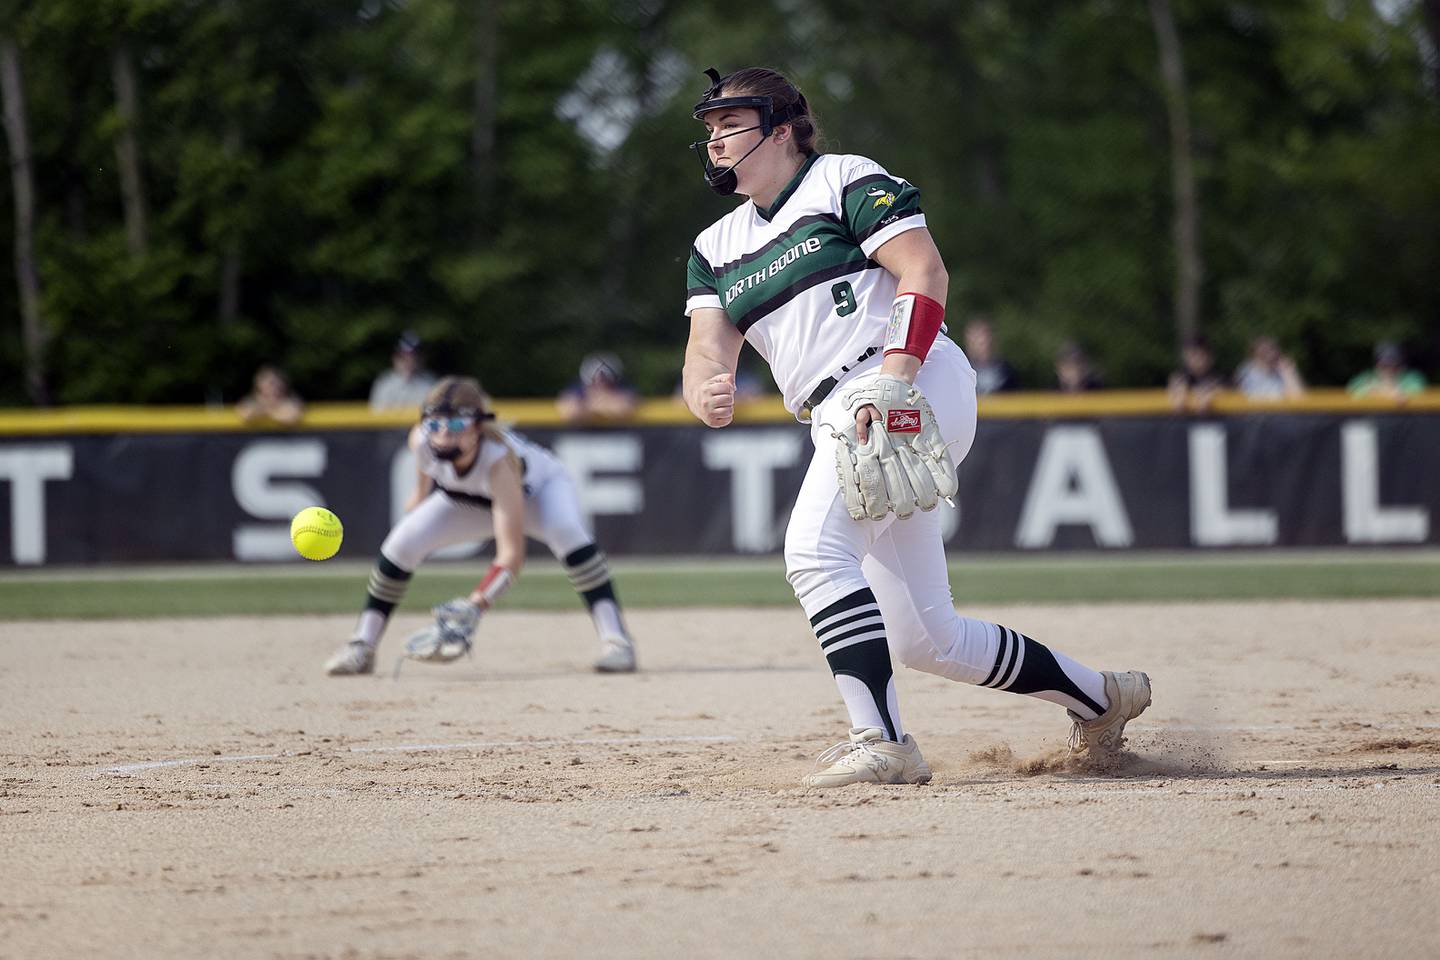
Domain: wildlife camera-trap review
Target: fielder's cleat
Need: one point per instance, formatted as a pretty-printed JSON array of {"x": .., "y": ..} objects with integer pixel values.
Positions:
[
  {"x": 1102, "y": 738},
  {"x": 867, "y": 757},
  {"x": 617, "y": 655},
  {"x": 356, "y": 657}
]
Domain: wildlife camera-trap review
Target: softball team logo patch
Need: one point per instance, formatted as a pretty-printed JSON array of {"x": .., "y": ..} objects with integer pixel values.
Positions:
[{"x": 902, "y": 421}]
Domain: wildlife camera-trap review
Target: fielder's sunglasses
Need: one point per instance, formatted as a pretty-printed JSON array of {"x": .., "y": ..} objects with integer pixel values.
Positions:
[{"x": 453, "y": 424}]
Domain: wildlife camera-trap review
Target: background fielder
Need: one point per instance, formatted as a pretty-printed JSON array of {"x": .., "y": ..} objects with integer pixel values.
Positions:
[
  {"x": 478, "y": 482},
  {"x": 829, "y": 272}
]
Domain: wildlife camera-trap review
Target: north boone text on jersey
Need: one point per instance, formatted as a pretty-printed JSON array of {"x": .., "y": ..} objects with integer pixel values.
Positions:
[{"x": 802, "y": 249}]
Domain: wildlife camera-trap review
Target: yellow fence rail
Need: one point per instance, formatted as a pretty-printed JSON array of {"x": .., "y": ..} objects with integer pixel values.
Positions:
[{"x": 665, "y": 411}]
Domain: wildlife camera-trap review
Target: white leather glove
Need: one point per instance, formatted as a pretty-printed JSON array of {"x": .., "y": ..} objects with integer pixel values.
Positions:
[
  {"x": 903, "y": 464},
  {"x": 448, "y": 638}
]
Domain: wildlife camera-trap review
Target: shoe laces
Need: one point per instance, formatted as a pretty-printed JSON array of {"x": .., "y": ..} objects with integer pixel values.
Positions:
[
  {"x": 851, "y": 751},
  {"x": 1077, "y": 737}
]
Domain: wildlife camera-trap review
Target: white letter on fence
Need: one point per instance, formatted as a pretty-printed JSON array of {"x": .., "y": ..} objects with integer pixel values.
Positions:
[
  {"x": 1212, "y": 522},
  {"x": 27, "y": 469},
  {"x": 752, "y": 457},
  {"x": 252, "y": 480},
  {"x": 1073, "y": 454},
  {"x": 1365, "y": 520},
  {"x": 585, "y": 455},
  {"x": 402, "y": 482}
]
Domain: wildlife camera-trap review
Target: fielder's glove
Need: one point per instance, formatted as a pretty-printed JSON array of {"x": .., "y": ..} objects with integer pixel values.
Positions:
[
  {"x": 903, "y": 464},
  {"x": 448, "y": 638}
]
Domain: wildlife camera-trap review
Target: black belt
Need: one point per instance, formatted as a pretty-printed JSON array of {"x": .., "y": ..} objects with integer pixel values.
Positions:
[
  {"x": 818, "y": 395},
  {"x": 473, "y": 499}
]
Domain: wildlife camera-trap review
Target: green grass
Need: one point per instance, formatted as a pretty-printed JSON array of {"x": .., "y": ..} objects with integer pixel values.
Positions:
[{"x": 289, "y": 590}]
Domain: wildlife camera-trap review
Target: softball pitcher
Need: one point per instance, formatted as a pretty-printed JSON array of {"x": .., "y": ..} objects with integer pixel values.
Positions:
[
  {"x": 478, "y": 482},
  {"x": 830, "y": 273}
]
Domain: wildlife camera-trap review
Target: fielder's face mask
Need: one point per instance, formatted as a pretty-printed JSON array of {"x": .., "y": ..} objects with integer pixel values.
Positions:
[
  {"x": 722, "y": 179},
  {"x": 435, "y": 419}
]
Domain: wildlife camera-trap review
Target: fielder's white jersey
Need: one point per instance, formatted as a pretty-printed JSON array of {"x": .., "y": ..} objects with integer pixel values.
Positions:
[
  {"x": 797, "y": 279},
  {"x": 537, "y": 466}
]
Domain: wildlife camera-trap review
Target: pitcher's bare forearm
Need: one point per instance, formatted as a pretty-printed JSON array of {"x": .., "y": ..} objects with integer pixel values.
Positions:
[
  {"x": 918, "y": 269},
  {"x": 708, "y": 377}
]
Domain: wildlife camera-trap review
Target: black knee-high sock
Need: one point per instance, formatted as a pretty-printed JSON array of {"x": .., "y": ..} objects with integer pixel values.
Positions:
[
  {"x": 852, "y": 635},
  {"x": 1023, "y": 665},
  {"x": 387, "y": 586},
  {"x": 388, "y": 583},
  {"x": 589, "y": 573}
]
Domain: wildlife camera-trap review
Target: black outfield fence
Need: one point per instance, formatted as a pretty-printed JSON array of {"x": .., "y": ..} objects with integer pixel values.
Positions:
[{"x": 1128, "y": 482}]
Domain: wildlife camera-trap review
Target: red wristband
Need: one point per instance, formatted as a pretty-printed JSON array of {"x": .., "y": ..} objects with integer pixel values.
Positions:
[
  {"x": 497, "y": 581},
  {"x": 915, "y": 321}
]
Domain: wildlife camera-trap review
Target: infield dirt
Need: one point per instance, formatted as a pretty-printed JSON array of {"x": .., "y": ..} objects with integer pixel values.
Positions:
[{"x": 189, "y": 788}]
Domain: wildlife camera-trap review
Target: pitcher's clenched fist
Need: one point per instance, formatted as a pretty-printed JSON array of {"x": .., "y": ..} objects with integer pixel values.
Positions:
[{"x": 715, "y": 400}]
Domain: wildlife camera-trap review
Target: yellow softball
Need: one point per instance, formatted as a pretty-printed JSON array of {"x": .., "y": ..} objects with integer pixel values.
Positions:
[{"x": 316, "y": 533}]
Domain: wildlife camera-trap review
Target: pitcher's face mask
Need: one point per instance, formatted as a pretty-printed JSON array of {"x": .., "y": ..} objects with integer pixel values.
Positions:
[{"x": 723, "y": 179}]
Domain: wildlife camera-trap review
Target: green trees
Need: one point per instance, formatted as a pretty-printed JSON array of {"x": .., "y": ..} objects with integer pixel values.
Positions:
[{"x": 218, "y": 183}]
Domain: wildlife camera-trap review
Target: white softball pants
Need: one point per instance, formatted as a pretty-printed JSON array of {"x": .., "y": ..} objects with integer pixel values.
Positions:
[
  {"x": 829, "y": 556},
  {"x": 552, "y": 516}
]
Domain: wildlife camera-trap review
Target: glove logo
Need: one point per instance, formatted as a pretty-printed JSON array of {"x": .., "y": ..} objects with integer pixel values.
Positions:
[{"x": 902, "y": 421}]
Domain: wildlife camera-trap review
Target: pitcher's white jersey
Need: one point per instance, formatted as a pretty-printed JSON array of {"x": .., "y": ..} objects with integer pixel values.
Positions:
[
  {"x": 797, "y": 279},
  {"x": 537, "y": 466}
]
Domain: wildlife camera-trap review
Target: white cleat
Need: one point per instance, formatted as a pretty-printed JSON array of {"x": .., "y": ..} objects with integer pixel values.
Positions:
[
  {"x": 617, "y": 655},
  {"x": 867, "y": 757},
  {"x": 1103, "y": 737},
  {"x": 355, "y": 658}
]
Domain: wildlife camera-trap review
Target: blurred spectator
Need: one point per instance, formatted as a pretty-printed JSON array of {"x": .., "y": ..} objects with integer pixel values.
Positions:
[
  {"x": 271, "y": 398},
  {"x": 748, "y": 386},
  {"x": 1074, "y": 372},
  {"x": 601, "y": 392},
  {"x": 992, "y": 373},
  {"x": 1193, "y": 387},
  {"x": 1389, "y": 377},
  {"x": 1268, "y": 374},
  {"x": 406, "y": 383}
]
